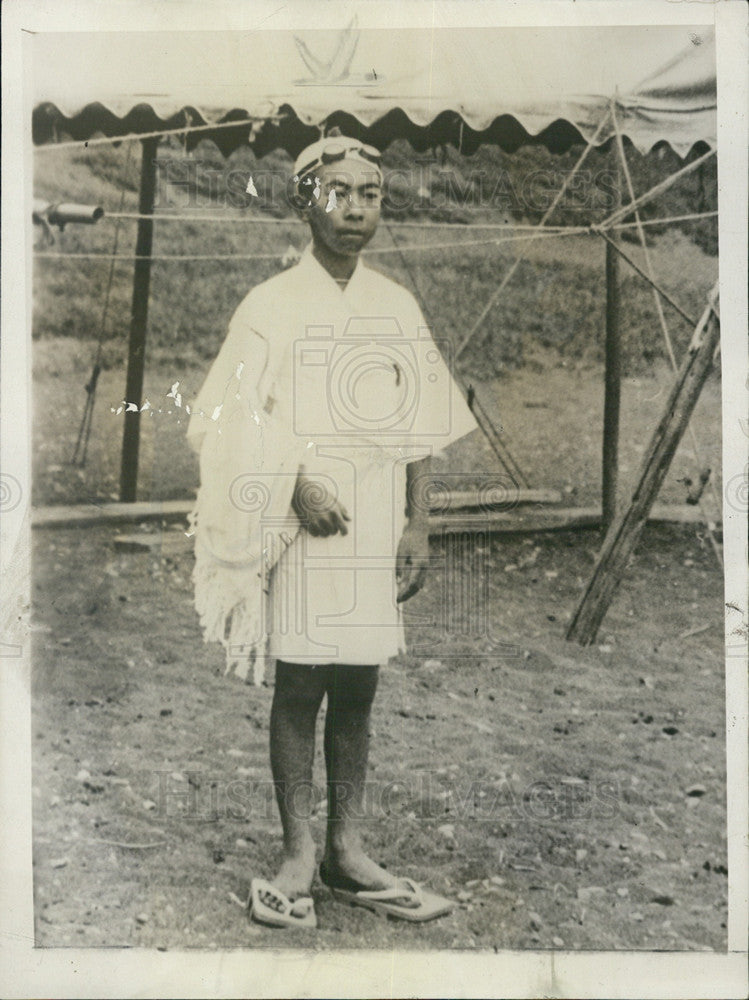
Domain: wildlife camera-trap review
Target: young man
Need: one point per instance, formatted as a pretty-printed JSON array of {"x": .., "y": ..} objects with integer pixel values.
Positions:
[{"x": 353, "y": 377}]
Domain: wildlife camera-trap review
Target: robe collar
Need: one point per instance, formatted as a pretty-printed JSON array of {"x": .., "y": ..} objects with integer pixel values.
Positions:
[{"x": 324, "y": 277}]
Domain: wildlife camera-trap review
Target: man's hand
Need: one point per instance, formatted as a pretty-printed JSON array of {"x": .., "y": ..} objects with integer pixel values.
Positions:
[
  {"x": 412, "y": 560},
  {"x": 317, "y": 509}
]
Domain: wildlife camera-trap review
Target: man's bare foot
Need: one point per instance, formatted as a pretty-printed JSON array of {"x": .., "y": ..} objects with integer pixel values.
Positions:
[
  {"x": 294, "y": 877},
  {"x": 353, "y": 863}
]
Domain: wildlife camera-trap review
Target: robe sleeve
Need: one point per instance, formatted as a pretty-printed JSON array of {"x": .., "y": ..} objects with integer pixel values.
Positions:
[{"x": 442, "y": 414}]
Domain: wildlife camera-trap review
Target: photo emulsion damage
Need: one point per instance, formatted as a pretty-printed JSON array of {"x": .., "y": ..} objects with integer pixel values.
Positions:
[{"x": 378, "y": 498}]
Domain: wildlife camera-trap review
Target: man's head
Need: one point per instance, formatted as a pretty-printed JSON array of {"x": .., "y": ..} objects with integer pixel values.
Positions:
[{"x": 338, "y": 189}]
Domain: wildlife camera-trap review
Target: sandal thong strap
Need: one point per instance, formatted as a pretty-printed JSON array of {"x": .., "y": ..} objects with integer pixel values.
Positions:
[
  {"x": 298, "y": 907},
  {"x": 411, "y": 894},
  {"x": 347, "y": 884}
]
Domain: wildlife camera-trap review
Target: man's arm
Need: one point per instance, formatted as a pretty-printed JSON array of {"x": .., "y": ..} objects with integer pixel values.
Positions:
[
  {"x": 417, "y": 479},
  {"x": 413, "y": 549}
]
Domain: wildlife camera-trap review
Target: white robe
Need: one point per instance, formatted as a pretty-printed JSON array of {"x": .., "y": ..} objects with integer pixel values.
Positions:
[{"x": 356, "y": 378}]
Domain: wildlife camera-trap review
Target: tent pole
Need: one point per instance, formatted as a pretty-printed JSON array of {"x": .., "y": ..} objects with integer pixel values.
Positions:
[
  {"x": 612, "y": 377},
  {"x": 625, "y": 531},
  {"x": 612, "y": 390},
  {"x": 138, "y": 322}
]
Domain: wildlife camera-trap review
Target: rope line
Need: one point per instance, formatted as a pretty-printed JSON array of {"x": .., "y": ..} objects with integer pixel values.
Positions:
[
  {"x": 134, "y": 256},
  {"x": 657, "y": 293},
  {"x": 457, "y": 227},
  {"x": 205, "y": 217},
  {"x": 691, "y": 216},
  {"x": 648, "y": 196},
  {"x": 137, "y": 136},
  {"x": 452, "y": 244},
  {"x": 643, "y": 241},
  {"x": 265, "y": 221},
  {"x": 533, "y": 234},
  {"x": 547, "y": 215},
  {"x": 507, "y": 460},
  {"x": 650, "y": 280}
]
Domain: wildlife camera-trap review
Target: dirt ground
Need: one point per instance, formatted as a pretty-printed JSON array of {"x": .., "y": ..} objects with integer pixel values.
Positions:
[{"x": 564, "y": 797}]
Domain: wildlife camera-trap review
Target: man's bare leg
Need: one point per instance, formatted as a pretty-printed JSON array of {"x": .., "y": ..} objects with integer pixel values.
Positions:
[
  {"x": 297, "y": 698},
  {"x": 350, "y": 690}
]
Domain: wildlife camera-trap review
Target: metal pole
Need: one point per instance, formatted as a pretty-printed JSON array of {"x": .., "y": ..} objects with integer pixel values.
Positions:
[
  {"x": 612, "y": 385},
  {"x": 138, "y": 323}
]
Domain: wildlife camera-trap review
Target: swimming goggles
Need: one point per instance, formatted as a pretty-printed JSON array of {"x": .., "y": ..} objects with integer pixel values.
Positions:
[{"x": 336, "y": 151}]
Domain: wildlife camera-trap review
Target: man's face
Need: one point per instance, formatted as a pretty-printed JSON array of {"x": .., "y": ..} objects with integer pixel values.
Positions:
[{"x": 344, "y": 217}]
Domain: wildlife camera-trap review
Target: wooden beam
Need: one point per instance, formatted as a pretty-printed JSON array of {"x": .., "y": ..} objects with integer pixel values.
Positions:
[
  {"x": 482, "y": 499},
  {"x": 138, "y": 323},
  {"x": 624, "y": 533},
  {"x": 521, "y": 519},
  {"x": 164, "y": 543},
  {"x": 517, "y": 521},
  {"x": 86, "y": 515}
]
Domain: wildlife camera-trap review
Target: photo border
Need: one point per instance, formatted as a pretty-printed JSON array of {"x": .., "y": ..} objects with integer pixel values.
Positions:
[{"x": 108, "y": 972}]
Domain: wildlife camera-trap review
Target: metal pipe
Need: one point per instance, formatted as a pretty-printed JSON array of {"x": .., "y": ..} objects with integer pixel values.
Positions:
[
  {"x": 60, "y": 215},
  {"x": 64, "y": 212}
]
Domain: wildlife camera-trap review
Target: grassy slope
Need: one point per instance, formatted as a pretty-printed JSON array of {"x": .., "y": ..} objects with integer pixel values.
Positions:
[{"x": 555, "y": 299}]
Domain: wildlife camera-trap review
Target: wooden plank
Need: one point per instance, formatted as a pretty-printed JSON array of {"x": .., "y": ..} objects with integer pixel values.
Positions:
[
  {"x": 89, "y": 515},
  {"x": 505, "y": 496},
  {"x": 516, "y": 520},
  {"x": 82, "y": 515},
  {"x": 624, "y": 533},
  {"x": 136, "y": 357},
  {"x": 520, "y": 521},
  {"x": 158, "y": 542}
]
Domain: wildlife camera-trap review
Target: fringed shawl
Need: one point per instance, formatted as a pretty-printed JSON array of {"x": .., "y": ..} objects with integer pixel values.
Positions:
[{"x": 242, "y": 519}]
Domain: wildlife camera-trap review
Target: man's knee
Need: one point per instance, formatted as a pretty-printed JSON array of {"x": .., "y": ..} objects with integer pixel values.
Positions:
[
  {"x": 352, "y": 685},
  {"x": 299, "y": 683}
]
